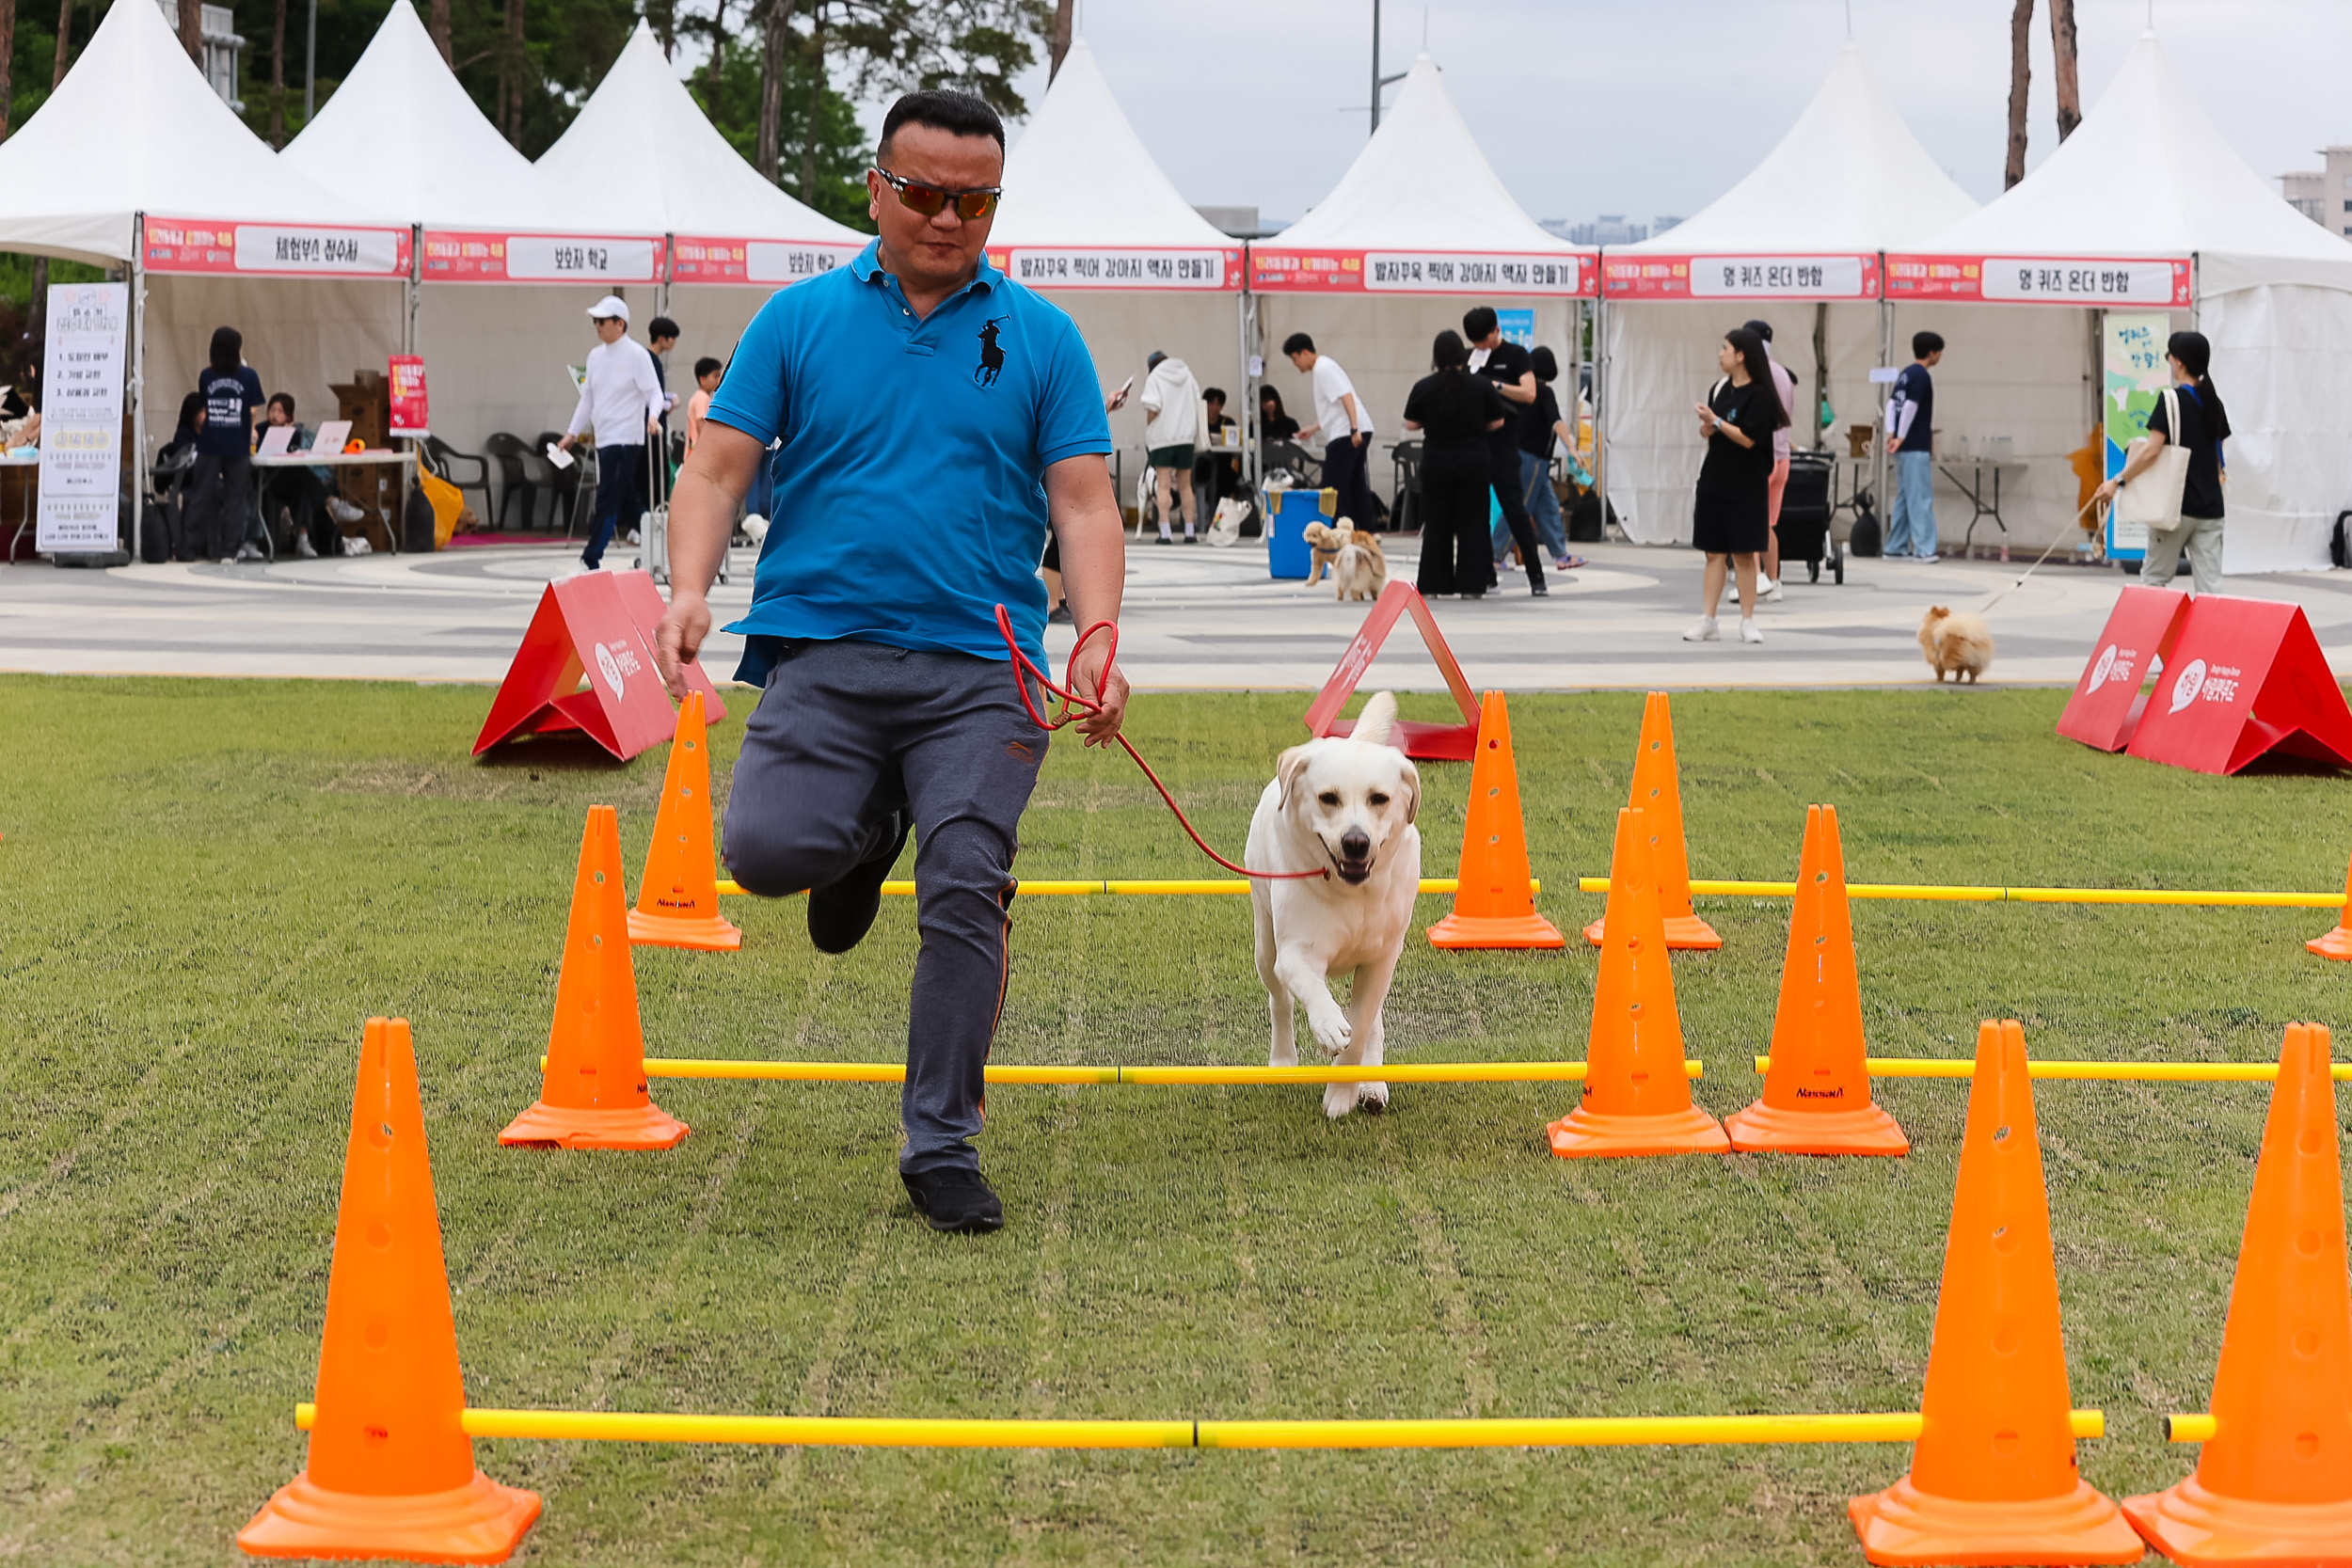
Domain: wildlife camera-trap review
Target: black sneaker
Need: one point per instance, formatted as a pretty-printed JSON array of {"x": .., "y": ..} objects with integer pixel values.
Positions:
[
  {"x": 1539, "y": 590},
  {"x": 841, "y": 914},
  {"x": 954, "y": 1201}
]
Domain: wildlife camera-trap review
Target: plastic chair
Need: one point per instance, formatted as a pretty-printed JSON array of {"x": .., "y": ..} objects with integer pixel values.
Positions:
[
  {"x": 520, "y": 470},
  {"x": 444, "y": 458}
]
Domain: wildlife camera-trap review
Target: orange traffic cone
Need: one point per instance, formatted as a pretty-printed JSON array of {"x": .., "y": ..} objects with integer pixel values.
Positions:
[
  {"x": 1658, "y": 790},
  {"x": 593, "y": 1092},
  {"x": 678, "y": 904},
  {"x": 1992, "y": 1477},
  {"x": 1492, "y": 907},
  {"x": 1817, "y": 1095},
  {"x": 390, "y": 1473},
  {"x": 2274, "y": 1483},
  {"x": 2338, "y": 943},
  {"x": 1636, "y": 1098}
]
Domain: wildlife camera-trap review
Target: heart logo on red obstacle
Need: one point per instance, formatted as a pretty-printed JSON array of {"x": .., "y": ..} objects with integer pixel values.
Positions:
[
  {"x": 2218, "y": 684},
  {"x": 616, "y": 661},
  {"x": 2106, "y": 666}
]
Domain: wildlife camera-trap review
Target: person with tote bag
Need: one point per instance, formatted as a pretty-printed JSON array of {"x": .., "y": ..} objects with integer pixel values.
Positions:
[{"x": 2172, "y": 478}]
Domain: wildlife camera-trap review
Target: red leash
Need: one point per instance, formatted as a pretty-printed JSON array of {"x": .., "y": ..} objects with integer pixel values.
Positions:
[{"x": 1073, "y": 705}]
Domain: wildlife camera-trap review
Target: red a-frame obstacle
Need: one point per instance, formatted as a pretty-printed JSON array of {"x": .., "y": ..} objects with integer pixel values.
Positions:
[{"x": 1429, "y": 743}]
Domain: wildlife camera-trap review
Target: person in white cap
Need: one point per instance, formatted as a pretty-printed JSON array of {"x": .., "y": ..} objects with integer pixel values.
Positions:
[{"x": 621, "y": 402}]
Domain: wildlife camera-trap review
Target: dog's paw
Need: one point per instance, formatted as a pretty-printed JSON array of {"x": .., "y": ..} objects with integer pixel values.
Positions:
[
  {"x": 1337, "y": 1100},
  {"x": 1331, "y": 1030},
  {"x": 1372, "y": 1097}
]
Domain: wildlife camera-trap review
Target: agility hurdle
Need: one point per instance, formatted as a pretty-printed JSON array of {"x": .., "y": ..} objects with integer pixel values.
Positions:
[
  {"x": 1963, "y": 894},
  {"x": 1138, "y": 887},
  {"x": 1587, "y": 1432},
  {"x": 2114, "y": 1072},
  {"x": 895, "y": 1072}
]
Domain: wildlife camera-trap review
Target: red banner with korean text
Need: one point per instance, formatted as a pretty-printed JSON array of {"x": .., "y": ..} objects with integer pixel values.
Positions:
[
  {"x": 1567, "y": 274},
  {"x": 2244, "y": 678},
  {"x": 1201, "y": 269},
  {"x": 1853, "y": 275},
  {"x": 219, "y": 245},
  {"x": 2165, "y": 282},
  {"x": 412, "y": 411},
  {"x": 454, "y": 257},
  {"x": 770, "y": 264}
]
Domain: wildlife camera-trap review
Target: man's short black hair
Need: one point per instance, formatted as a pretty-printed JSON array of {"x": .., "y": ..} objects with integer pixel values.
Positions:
[
  {"x": 959, "y": 113},
  {"x": 1212, "y": 394},
  {"x": 1924, "y": 343},
  {"x": 704, "y": 366},
  {"x": 1478, "y": 320},
  {"x": 660, "y": 327},
  {"x": 1298, "y": 342}
]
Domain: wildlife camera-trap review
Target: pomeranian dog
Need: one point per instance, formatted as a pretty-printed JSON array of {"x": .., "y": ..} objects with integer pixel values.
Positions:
[
  {"x": 1358, "y": 568},
  {"x": 1957, "y": 644}
]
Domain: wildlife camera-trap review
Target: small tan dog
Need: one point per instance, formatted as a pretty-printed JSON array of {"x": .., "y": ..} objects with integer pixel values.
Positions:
[
  {"x": 1957, "y": 644},
  {"x": 1358, "y": 568}
]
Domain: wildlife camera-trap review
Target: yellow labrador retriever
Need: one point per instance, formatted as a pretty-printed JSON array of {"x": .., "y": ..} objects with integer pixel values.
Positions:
[{"x": 1346, "y": 805}]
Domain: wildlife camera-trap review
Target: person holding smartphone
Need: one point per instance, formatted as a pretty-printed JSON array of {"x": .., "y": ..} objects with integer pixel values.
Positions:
[{"x": 1732, "y": 516}]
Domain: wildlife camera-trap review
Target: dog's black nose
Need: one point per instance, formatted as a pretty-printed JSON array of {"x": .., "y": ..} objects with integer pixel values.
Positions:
[{"x": 1356, "y": 843}]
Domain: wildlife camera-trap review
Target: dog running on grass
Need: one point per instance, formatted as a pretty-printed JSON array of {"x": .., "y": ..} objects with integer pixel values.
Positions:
[
  {"x": 1344, "y": 804},
  {"x": 1957, "y": 644}
]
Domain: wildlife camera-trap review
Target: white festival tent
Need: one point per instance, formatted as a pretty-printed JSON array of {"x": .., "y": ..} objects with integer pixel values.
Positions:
[
  {"x": 135, "y": 161},
  {"x": 1798, "y": 242},
  {"x": 643, "y": 157},
  {"x": 2148, "y": 187},
  {"x": 1417, "y": 230},
  {"x": 1092, "y": 222}
]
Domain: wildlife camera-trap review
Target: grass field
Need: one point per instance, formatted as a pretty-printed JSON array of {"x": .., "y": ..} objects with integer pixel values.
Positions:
[{"x": 205, "y": 887}]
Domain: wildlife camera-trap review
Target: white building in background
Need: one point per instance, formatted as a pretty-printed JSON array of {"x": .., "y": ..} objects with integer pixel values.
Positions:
[
  {"x": 2324, "y": 195},
  {"x": 223, "y": 45},
  {"x": 1609, "y": 229}
]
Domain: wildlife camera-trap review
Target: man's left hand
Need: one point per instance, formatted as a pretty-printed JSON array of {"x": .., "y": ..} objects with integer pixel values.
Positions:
[
  {"x": 1085, "y": 675},
  {"x": 1357, "y": 436}
]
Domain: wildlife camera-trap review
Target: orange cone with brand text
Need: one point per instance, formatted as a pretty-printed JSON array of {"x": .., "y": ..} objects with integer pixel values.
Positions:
[
  {"x": 1816, "y": 1094},
  {"x": 1992, "y": 1477},
  {"x": 1658, "y": 790},
  {"x": 390, "y": 1473},
  {"x": 678, "y": 903},
  {"x": 1637, "y": 1100},
  {"x": 594, "y": 1094},
  {"x": 2274, "y": 1482},
  {"x": 2338, "y": 943},
  {"x": 1492, "y": 905}
]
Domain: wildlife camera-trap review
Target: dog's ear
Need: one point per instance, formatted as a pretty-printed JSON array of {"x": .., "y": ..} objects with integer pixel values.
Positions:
[
  {"x": 1286, "y": 771},
  {"x": 1937, "y": 612},
  {"x": 1412, "y": 788},
  {"x": 1378, "y": 723}
]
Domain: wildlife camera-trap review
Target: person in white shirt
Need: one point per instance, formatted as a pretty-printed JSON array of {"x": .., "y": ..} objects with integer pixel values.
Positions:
[
  {"x": 1346, "y": 428},
  {"x": 621, "y": 402},
  {"x": 1172, "y": 426}
]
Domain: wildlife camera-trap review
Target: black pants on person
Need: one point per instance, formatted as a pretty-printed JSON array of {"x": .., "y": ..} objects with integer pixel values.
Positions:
[
  {"x": 1344, "y": 472},
  {"x": 299, "y": 494},
  {"x": 1455, "y": 557},
  {"x": 849, "y": 734},
  {"x": 218, "y": 506},
  {"x": 620, "y": 498},
  {"x": 1503, "y": 459}
]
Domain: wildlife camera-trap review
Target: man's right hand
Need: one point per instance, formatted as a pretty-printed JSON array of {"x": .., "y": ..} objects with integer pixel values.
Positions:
[
  {"x": 678, "y": 641},
  {"x": 566, "y": 442}
]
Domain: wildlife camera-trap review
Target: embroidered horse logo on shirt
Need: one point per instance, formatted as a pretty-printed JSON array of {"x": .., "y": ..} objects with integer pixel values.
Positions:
[{"x": 992, "y": 355}]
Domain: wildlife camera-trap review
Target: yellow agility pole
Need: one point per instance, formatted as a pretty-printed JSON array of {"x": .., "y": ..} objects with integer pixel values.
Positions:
[
  {"x": 1152, "y": 887},
  {"x": 2116, "y": 1072},
  {"x": 2190, "y": 1429},
  {"x": 892, "y": 1072},
  {"x": 1969, "y": 894},
  {"x": 947, "y": 1433}
]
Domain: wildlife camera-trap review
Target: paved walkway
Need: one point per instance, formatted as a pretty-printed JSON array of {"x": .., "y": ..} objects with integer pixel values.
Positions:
[{"x": 1196, "y": 618}]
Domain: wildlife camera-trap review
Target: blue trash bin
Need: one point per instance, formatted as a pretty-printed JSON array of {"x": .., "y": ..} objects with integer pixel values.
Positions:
[{"x": 1287, "y": 514}]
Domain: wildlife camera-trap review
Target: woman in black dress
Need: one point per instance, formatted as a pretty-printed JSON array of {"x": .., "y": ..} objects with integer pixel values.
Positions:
[
  {"x": 1732, "y": 520},
  {"x": 1456, "y": 412}
]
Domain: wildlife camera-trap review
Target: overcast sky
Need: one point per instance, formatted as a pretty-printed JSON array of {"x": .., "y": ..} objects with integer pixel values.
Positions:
[{"x": 1591, "y": 106}]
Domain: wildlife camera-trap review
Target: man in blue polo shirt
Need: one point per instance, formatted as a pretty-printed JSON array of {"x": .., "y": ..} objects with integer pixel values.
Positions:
[{"x": 935, "y": 420}]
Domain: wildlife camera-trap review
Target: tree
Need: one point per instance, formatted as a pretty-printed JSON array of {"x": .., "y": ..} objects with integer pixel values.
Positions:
[
  {"x": 2020, "y": 75},
  {"x": 192, "y": 29},
  {"x": 1061, "y": 39},
  {"x": 975, "y": 46},
  {"x": 277, "y": 78},
  {"x": 817, "y": 129},
  {"x": 438, "y": 24},
  {"x": 2070, "y": 92},
  {"x": 776, "y": 42},
  {"x": 8, "y": 56}
]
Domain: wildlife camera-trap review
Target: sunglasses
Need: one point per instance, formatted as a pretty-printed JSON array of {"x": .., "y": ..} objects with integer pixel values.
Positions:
[{"x": 928, "y": 199}]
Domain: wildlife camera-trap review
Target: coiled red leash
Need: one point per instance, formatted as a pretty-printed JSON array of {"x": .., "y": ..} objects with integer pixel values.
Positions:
[{"x": 1073, "y": 705}]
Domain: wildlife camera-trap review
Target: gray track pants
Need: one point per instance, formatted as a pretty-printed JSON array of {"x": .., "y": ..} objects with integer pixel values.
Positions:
[
  {"x": 849, "y": 733},
  {"x": 2201, "y": 539}
]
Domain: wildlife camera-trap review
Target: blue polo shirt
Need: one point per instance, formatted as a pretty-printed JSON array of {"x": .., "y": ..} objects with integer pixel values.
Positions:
[{"x": 910, "y": 489}]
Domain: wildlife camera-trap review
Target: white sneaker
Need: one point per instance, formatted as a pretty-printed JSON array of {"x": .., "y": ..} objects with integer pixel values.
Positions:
[
  {"x": 303, "y": 548},
  {"x": 1767, "y": 591},
  {"x": 1928, "y": 560},
  {"x": 1706, "y": 632},
  {"x": 1748, "y": 632},
  {"x": 247, "y": 552}
]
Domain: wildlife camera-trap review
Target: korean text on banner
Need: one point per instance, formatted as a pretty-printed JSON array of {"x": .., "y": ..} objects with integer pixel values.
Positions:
[
  {"x": 2134, "y": 378},
  {"x": 412, "y": 413},
  {"x": 81, "y": 437}
]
